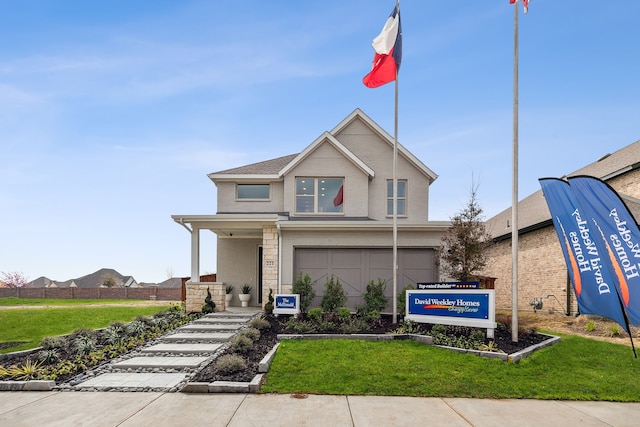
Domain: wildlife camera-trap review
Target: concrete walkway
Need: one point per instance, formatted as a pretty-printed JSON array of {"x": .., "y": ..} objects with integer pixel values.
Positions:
[
  {"x": 170, "y": 361},
  {"x": 177, "y": 409}
]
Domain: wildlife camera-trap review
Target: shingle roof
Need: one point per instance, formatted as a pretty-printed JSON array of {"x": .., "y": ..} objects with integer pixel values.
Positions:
[
  {"x": 267, "y": 167},
  {"x": 533, "y": 209}
]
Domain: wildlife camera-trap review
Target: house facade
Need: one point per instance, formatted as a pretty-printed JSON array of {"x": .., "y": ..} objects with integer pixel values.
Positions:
[
  {"x": 542, "y": 273},
  {"x": 326, "y": 212}
]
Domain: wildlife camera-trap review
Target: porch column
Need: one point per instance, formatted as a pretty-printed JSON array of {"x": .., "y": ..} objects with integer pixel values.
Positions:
[
  {"x": 270, "y": 261},
  {"x": 195, "y": 255}
]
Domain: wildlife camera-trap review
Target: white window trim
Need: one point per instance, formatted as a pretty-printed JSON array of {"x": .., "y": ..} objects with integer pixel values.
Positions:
[
  {"x": 405, "y": 198},
  {"x": 315, "y": 197},
  {"x": 238, "y": 199}
]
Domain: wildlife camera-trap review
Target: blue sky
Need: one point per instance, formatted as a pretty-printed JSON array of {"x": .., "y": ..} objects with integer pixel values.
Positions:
[{"x": 113, "y": 112}]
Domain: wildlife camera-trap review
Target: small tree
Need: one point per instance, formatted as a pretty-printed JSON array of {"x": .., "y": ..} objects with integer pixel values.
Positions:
[
  {"x": 108, "y": 281},
  {"x": 14, "y": 279},
  {"x": 209, "y": 306},
  {"x": 268, "y": 307},
  {"x": 304, "y": 287},
  {"x": 462, "y": 253},
  {"x": 334, "y": 296},
  {"x": 374, "y": 298}
]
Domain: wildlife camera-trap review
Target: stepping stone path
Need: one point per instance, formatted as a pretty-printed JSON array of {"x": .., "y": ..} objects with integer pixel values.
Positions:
[{"x": 167, "y": 363}]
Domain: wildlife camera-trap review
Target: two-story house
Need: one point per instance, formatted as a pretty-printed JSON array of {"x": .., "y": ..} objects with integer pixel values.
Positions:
[{"x": 327, "y": 212}]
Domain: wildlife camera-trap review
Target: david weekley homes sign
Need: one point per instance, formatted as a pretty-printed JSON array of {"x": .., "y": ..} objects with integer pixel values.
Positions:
[
  {"x": 460, "y": 307},
  {"x": 286, "y": 304}
]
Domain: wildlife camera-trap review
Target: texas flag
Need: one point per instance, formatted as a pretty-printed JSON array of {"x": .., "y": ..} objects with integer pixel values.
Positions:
[
  {"x": 388, "y": 52},
  {"x": 526, "y": 4}
]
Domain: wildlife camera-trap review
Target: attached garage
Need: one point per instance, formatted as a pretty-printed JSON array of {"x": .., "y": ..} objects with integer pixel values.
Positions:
[{"x": 355, "y": 267}]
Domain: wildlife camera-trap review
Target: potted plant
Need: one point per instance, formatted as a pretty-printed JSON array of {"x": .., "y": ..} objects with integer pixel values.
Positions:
[
  {"x": 245, "y": 296},
  {"x": 228, "y": 295}
]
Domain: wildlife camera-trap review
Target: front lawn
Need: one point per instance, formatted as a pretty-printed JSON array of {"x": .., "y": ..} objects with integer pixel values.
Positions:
[
  {"x": 31, "y": 325},
  {"x": 574, "y": 369}
]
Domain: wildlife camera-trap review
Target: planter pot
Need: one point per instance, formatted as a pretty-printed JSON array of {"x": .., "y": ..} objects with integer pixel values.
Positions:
[
  {"x": 244, "y": 299},
  {"x": 227, "y": 299}
]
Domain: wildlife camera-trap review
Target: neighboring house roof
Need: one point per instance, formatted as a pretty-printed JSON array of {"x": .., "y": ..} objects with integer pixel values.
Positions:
[
  {"x": 40, "y": 282},
  {"x": 174, "y": 282},
  {"x": 3, "y": 285},
  {"x": 95, "y": 279},
  {"x": 533, "y": 211}
]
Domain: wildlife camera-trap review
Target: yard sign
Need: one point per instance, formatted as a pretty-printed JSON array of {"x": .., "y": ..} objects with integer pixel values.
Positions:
[
  {"x": 286, "y": 304},
  {"x": 459, "y": 307}
]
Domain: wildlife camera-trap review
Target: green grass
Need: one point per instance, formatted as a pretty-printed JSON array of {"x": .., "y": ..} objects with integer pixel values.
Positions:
[
  {"x": 31, "y": 325},
  {"x": 13, "y": 301},
  {"x": 574, "y": 369}
]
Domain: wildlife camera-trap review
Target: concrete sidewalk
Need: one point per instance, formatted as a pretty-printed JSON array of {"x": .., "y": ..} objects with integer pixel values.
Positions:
[{"x": 193, "y": 410}]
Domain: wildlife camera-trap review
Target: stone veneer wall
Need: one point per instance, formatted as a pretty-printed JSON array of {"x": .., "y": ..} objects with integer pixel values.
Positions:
[
  {"x": 269, "y": 261},
  {"x": 541, "y": 267},
  {"x": 197, "y": 292}
]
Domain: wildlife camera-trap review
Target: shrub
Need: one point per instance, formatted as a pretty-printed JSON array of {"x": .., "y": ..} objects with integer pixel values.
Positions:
[
  {"x": 315, "y": 315},
  {"x": 209, "y": 306},
  {"x": 613, "y": 330},
  {"x": 374, "y": 298},
  {"x": 407, "y": 327},
  {"x": 252, "y": 333},
  {"x": 230, "y": 363},
  {"x": 136, "y": 328},
  {"x": 259, "y": 323},
  {"x": 50, "y": 343},
  {"x": 334, "y": 296},
  {"x": 344, "y": 314},
  {"x": 402, "y": 299},
  {"x": 241, "y": 343},
  {"x": 84, "y": 345},
  {"x": 49, "y": 356},
  {"x": 304, "y": 288},
  {"x": 590, "y": 326}
]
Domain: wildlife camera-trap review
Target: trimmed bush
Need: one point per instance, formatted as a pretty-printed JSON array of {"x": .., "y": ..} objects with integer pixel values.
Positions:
[
  {"x": 241, "y": 343},
  {"x": 334, "y": 296},
  {"x": 374, "y": 298},
  {"x": 259, "y": 323},
  {"x": 304, "y": 287},
  {"x": 230, "y": 363},
  {"x": 252, "y": 333}
]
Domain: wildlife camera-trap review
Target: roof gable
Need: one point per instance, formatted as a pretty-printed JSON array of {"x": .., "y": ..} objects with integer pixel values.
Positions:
[
  {"x": 327, "y": 138},
  {"x": 358, "y": 114}
]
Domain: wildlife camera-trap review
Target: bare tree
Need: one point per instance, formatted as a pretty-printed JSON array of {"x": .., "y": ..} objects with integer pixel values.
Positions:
[
  {"x": 14, "y": 279},
  {"x": 108, "y": 281},
  {"x": 462, "y": 253}
]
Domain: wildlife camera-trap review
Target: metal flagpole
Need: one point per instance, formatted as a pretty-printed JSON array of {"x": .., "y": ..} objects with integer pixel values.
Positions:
[
  {"x": 395, "y": 208},
  {"x": 514, "y": 199}
]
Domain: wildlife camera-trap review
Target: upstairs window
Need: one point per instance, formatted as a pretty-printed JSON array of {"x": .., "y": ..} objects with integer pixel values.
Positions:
[
  {"x": 402, "y": 197},
  {"x": 319, "y": 195},
  {"x": 252, "y": 191}
]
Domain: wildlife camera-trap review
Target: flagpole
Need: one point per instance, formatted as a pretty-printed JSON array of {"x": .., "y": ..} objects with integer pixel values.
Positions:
[
  {"x": 514, "y": 196},
  {"x": 395, "y": 208}
]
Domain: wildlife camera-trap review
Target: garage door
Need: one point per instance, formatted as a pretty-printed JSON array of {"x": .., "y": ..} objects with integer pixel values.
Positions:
[{"x": 355, "y": 267}]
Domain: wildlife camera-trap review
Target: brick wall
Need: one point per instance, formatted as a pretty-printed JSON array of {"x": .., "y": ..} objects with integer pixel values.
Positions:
[{"x": 541, "y": 267}]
